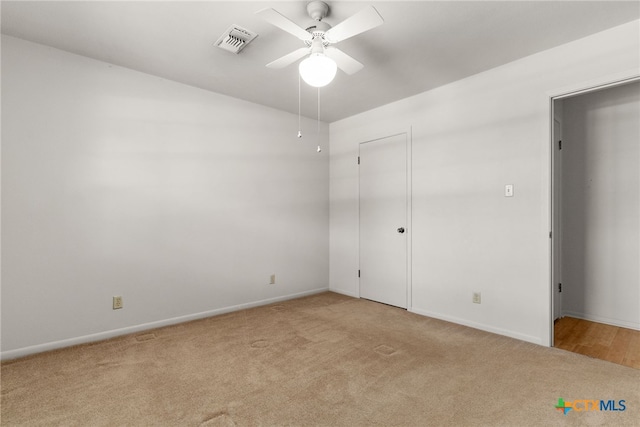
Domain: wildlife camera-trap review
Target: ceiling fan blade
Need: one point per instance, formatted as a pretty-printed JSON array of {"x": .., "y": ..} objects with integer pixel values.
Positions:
[
  {"x": 343, "y": 61},
  {"x": 276, "y": 18},
  {"x": 362, "y": 21},
  {"x": 289, "y": 58}
]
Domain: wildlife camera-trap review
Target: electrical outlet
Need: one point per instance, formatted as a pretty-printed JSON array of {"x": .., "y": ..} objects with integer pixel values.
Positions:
[
  {"x": 117, "y": 302},
  {"x": 272, "y": 280},
  {"x": 477, "y": 298}
]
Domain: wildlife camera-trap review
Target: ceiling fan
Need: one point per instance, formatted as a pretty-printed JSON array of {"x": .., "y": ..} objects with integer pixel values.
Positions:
[{"x": 319, "y": 68}]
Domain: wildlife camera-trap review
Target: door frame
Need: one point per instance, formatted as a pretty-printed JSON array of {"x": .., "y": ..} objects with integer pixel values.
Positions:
[
  {"x": 557, "y": 166},
  {"x": 618, "y": 79},
  {"x": 409, "y": 228}
]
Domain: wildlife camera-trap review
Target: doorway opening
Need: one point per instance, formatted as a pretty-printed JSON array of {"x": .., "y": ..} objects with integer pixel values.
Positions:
[{"x": 595, "y": 219}]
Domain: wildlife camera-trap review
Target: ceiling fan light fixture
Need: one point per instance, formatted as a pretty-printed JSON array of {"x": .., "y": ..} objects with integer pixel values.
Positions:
[{"x": 318, "y": 70}]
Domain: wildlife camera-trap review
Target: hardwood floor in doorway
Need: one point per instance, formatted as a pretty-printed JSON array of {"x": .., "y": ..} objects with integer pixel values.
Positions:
[{"x": 606, "y": 342}]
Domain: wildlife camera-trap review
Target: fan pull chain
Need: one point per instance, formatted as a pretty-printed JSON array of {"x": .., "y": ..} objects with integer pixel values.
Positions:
[
  {"x": 299, "y": 126},
  {"x": 319, "y": 149}
]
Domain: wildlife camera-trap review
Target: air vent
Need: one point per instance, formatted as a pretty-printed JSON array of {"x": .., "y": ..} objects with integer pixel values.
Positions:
[{"x": 235, "y": 39}]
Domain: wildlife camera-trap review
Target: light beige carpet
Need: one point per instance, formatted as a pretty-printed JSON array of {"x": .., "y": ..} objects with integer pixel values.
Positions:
[{"x": 325, "y": 360}]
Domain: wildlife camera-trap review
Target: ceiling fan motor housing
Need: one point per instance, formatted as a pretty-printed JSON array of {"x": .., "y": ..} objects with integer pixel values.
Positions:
[{"x": 317, "y": 31}]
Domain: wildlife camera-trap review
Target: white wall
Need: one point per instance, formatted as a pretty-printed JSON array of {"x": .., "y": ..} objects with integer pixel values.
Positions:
[
  {"x": 601, "y": 210},
  {"x": 115, "y": 182},
  {"x": 470, "y": 138}
]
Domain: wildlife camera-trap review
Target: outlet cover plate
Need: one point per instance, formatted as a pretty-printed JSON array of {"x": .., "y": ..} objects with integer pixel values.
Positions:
[
  {"x": 117, "y": 302},
  {"x": 477, "y": 298}
]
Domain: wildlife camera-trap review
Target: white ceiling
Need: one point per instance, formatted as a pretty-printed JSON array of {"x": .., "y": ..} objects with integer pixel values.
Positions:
[{"x": 421, "y": 45}]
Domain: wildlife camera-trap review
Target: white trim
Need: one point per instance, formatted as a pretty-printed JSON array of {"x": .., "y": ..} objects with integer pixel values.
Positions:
[
  {"x": 343, "y": 292},
  {"x": 25, "y": 351},
  {"x": 605, "y": 320},
  {"x": 604, "y": 82},
  {"x": 551, "y": 248},
  {"x": 464, "y": 322},
  {"x": 409, "y": 217}
]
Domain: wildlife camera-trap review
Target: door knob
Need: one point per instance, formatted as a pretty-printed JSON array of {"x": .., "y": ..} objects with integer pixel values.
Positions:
[{"x": 401, "y": 230}]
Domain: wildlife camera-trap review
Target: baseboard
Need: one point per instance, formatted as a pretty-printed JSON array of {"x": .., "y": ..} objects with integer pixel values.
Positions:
[
  {"x": 26, "y": 351},
  {"x": 340, "y": 291},
  {"x": 505, "y": 332},
  {"x": 605, "y": 320}
]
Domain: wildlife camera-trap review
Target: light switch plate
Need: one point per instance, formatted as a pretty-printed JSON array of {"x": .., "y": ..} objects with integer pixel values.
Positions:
[{"x": 508, "y": 190}]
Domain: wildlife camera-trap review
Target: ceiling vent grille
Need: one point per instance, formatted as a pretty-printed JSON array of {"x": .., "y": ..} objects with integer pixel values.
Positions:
[{"x": 235, "y": 39}]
